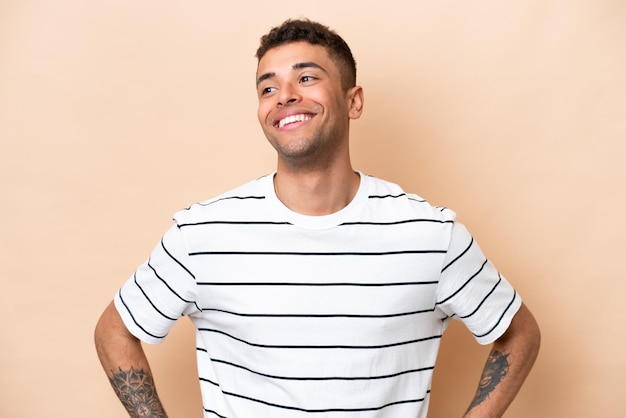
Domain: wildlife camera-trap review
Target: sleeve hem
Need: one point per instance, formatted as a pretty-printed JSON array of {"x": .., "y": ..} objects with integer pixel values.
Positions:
[
  {"x": 501, "y": 328},
  {"x": 131, "y": 325}
]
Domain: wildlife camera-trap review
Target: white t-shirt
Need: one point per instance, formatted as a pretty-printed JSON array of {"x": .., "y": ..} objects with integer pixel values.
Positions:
[{"x": 336, "y": 316}]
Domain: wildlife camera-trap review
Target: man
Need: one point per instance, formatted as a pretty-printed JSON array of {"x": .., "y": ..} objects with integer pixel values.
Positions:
[{"x": 315, "y": 290}]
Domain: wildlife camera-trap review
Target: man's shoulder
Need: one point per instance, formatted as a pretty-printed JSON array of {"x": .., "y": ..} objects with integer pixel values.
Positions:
[
  {"x": 389, "y": 195},
  {"x": 239, "y": 198}
]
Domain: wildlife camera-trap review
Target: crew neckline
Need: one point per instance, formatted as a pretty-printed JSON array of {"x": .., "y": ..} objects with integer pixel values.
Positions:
[{"x": 317, "y": 222}]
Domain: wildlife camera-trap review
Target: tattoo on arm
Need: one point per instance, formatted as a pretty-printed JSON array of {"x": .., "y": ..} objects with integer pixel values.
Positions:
[
  {"x": 136, "y": 390},
  {"x": 496, "y": 368}
]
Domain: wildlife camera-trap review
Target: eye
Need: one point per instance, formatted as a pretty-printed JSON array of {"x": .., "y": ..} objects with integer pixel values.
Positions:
[
  {"x": 267, "y": 90},
  {"x": 306, "y": 78}
]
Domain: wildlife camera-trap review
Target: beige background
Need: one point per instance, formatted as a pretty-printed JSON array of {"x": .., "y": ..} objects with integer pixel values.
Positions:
[{"x": 114, "y": 114}]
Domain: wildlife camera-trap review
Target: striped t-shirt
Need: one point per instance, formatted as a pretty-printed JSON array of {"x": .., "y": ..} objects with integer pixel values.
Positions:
[{"x": 336, "y": 316}]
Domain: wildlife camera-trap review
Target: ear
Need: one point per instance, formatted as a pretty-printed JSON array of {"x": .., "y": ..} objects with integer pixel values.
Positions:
[{"x": 355, "y": 102}]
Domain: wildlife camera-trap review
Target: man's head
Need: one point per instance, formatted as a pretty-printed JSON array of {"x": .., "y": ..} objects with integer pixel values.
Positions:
[{"x": 314, "y": 33}]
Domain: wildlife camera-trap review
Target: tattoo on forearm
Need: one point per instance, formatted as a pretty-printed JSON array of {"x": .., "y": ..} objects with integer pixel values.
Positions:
[
  {"x": 136, "y": 390},
  {"x": 496, "y": 369}
]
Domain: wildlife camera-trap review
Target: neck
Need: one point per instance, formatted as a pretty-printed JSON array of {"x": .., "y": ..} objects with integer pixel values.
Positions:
[{"x": 316, "y": 192}]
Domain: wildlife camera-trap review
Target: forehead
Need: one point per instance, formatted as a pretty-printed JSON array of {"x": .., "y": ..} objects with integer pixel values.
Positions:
[{"x": 284, "y": 57}]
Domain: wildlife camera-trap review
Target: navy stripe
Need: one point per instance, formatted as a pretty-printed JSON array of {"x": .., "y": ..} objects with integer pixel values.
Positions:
[
  {"x": 464, "y": 284},
  {"x": 293, "y": 408},
  {"x": 357, "y": 316},
  {"x": 148, "y": 299},
  {"x": 404, "y": 221},
  {"x": 175, "y": 260},
  {"x": 135, "y": 321},
  {"x": 170, "y": 288},
  {"x": 314, "y": 284},
  {"x": 485, "y": 299},
  {"x": 317, "y": 378},
  {"x": 501, "y": 316},
  {"x": 233, "y": 223},
  {"x": 386, "y": 196},
  {"x": 204, "y": 379},
  {"x": 459, "y": 256},
  {"x": 210, "y": 411},
  {"x": 400, "y": 252},
  {"x": 355, "y": 347}
]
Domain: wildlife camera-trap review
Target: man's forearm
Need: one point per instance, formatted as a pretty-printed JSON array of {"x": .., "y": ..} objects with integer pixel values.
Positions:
[
  {"x": 136, "y": 391},
  {"x": 507, "y": 367},
  {"x": 126, "y": 366},
  {"x": 488, "y": 402}
]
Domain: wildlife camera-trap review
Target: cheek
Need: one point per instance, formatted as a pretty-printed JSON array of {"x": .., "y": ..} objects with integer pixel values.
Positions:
[
  {"x": 260, "y": 114},
  {"x": 329, "y": 100},
  {"x": 263, "y": 111}
]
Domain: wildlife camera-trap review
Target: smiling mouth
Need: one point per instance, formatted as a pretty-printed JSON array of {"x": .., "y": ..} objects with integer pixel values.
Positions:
[{"x": 293, "y": 119}]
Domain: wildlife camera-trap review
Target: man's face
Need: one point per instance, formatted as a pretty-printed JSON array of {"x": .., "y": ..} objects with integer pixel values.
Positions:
[{"x": 303, "y": 109}]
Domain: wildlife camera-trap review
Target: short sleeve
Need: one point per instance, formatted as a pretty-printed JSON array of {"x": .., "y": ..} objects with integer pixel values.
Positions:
[
  {"x": 473, "y": 291},
  {"x": 160, "y": 291}
]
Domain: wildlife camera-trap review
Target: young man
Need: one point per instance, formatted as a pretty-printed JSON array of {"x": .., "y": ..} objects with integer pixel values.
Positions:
[{"x": 316, "y": 290}]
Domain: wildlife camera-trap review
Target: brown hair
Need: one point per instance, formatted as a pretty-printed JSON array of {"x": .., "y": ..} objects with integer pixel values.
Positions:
[{"x": 304, "y": 30}]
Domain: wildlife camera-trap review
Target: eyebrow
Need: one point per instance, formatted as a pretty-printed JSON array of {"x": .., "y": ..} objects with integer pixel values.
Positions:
[{"x": 296, "y": 66}]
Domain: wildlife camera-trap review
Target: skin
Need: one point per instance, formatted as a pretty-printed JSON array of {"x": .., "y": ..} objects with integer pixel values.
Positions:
[{"x": 314, "y": 176}]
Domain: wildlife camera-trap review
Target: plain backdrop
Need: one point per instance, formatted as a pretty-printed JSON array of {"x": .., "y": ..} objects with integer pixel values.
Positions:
[{"x": 114, "y": 114}]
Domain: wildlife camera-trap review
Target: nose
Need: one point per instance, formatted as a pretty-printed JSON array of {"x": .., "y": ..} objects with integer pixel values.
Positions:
[
  {"x": 288, "y": 96},
  {"x": 287, "y": 102}
]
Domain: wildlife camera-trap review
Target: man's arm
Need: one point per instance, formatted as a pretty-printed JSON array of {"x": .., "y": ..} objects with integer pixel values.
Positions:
[
  {"x": 126, "y": 366},
  {"x": 509, "y": 362}
]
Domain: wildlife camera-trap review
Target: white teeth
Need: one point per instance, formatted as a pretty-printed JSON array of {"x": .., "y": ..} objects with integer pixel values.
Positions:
[{"x": 292, "y": 119}]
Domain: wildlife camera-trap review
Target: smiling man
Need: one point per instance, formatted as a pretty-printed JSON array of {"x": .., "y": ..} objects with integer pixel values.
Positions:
[
  {"x": 316, "y": 290},
  {"x": 305, "y": 107}
]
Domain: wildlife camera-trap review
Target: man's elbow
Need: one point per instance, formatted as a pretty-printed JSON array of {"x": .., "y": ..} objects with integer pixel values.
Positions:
[
  {"x": 110, "y": 331},
  {"x": 523, "y": 335}
]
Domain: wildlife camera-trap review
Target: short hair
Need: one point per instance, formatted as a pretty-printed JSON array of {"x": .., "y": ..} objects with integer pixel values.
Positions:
[{"x": 305, "y": 30}]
